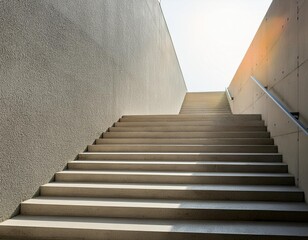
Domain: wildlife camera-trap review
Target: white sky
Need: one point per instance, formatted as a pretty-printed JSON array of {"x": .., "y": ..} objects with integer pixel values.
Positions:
[{"x": 211, "y": 37}]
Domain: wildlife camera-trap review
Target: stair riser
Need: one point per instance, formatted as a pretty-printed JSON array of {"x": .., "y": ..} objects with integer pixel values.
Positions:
[
  {"x": 105, "y": 234},
  {"x": 180, "y": 167},
  {"x": 186, "y": 135},
  {"x": 256, "y": 141},
  {"x": 190, "y": 129},
  {"x": 197, "y": 149},
  {"x": 161, "y": 213},
  {"x": 191, "y": 123},
  {"x": 181, "y": 157},
  {"x": 120, "y": 178},
  {"x": 186, "y": 194}
]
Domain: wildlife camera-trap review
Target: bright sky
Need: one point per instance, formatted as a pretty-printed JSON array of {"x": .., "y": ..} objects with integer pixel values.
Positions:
[{"x": 211, "y": 37}]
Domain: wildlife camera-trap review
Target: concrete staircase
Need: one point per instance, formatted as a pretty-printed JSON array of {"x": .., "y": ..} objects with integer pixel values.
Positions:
[{"x": 212, "y": 176}]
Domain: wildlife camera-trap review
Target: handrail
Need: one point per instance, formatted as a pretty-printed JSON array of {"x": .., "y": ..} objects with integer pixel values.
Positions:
[
  {"x": 229, "y": 94},
  {"x": 281, "y": 106}
]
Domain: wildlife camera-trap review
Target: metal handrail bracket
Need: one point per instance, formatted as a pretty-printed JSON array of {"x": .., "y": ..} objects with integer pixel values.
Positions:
[
  {"x": 281, "y": 106},
  {"x": 229, "y": 94}
]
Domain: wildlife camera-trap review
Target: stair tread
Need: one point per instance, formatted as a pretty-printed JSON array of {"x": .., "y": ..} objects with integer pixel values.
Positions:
[
  {"x": 173, "y": 204},
  {"x": 204, "y": 129},
  {"x": 212, "y": 187},
  {"x": 197, "y": 121},
  {"x": 183, "y": 141},
  {"x": 180, "y": 148},
  {"x": 179, "y": 153},
  {"x": 181, "y": 134},
  {"x": 164, "y": 173},
  {"x": 187, "y": 132},
  {"x": 178, "y": 145},
  {"x": 182, "y": 163},
  {"x": 190, "y": 123},
  {"x": 195, "y": 139},
  {"x": 182, "y": 156},
  {"x": 164, "y": 226},
  {"x": 184, "y": 166},
  {"x": 187, "y": 115}
]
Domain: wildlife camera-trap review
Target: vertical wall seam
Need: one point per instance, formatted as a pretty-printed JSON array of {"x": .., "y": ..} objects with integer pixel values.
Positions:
[{"x": 298, "y": 74}]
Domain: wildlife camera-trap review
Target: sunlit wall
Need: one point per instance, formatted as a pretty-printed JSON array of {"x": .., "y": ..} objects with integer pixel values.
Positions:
[{"x": 211, "y": 37}]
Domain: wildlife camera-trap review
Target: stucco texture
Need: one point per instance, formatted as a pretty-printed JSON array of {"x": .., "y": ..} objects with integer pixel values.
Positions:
[
  {"x": 278, "y": 58},
  {"x": 68, "y": 70}
]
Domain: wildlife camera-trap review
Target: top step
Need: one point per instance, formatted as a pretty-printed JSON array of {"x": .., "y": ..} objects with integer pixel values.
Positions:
[{"x": 203, "y": 103}]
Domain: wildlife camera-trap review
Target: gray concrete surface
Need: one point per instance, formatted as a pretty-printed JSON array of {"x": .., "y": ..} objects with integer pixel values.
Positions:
[
  {"x": 68, "y": 70},
  {"x": 278, "y": 57},
  {"x": 205, "y": 103}
]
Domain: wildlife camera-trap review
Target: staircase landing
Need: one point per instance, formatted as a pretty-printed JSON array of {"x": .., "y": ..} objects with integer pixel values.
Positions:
[{"x": 205, "y": 103}]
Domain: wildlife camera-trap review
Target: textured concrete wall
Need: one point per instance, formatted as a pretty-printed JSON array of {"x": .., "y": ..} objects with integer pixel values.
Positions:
[
  {"x": 278, "y": 57},
  {"x": 68, "y": 70}
]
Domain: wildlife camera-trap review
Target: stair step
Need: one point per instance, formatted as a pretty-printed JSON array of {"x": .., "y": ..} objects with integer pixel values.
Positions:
[
  {"x": 200, "y": 105},
  {"x": 224, "y": 157},
  {"x": 201, "y": 166},
  {"x": 222, "y": 108},
  {"x": 183, "y": 117},
  {"x": 186, "y": 135},
  {"x": 190, "y": 118},
  {"x": 206, "y": 110},
  {"x": 175, "y": 177},
  {"x": 43, "y": 227},
  {"x": 203, "y": 111},
  {"x": 197, "y": 106},
  {"x": 165, "y": 209},
  {"x": 174, "y": 191},
  {"x": 197, "y": 141},
  {"x": 200, "y": 110},
  {"x": 212, "y": 108},
  {"x": 188, "y": 129},
  {"x": 184, "y": 148},
  {"x": 192, "y": 123}
]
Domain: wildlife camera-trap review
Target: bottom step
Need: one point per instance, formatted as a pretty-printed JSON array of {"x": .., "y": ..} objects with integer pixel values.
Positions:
[
  {"x": 108, "y": 228},
  {"x": 166, "y": 209}
]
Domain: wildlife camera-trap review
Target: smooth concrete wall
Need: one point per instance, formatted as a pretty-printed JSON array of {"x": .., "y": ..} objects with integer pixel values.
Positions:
[
  {"x": 68, "y": 70},
  {"x": 278, "y": 57}
]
